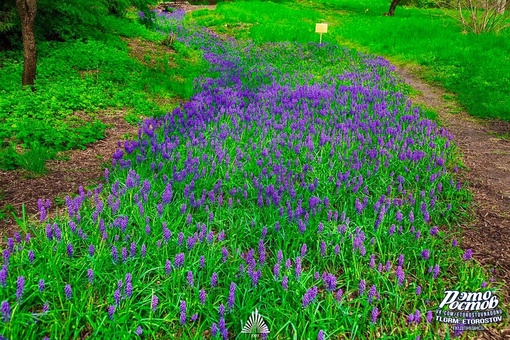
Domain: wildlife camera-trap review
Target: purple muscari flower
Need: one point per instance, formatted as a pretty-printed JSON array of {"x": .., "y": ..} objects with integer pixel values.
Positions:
[
  {"x": 484, "y": 284},
  {"x": 425, "y": 254},
  {"x": 330, "y": 281},
  {"x": 182, "y": 309},
  {"x": 167, "y": 234},
  {"x": 400, "y": 260},
  {"x": 6, "y": 311},
  {"x": 288, "y": 264},
  {"x": 224, "y": 254},
  {"x": 337, "y": 249},
  {"x": 20, "y": 287},
  {"x": 372, "y": 261},
  {"x": 264, "y": 232},
  {"x": 202, "y": 261},
  {"x": 309, "y": 296},
  {"x": 41, "y": 285},
  {"x": 139, "y": 330},
  {"x": 31, "y": 256},
  {"x": 255, "y": 276},
  {"x": 372, "y": 292},
  {"x": 454, "y": 243},
  {"x": 168, "y": 267},
  {"x": 436, "y": 271},
  {"x": 418, "y": 290},
  {"x": 148, "y": 229},
  {"x": 399, "y": 217},
  {"x": 214, "y": 280},
  {"x": 189, "y": 277},
  {"x": 429, "y": 316},
  {"x": 46, "y": 307},
  {"x": 320, "y": 335},
  {"x": 279, "y": 256},
  {"x": 132, "y": 249},
  {"x": 167, "y": 194},
  {"x": 298, "y": 267},
  {"x": 68, "y": 291},
  {"x": 202, "y": 296},
  {"x": 417, "y": 316},
  {"x": 362, "y": 286},
  {"x": 180, "y": 238},
  {"x": 90, "y": 275},
  {"x": 179, "y": 260},
  {"x": 338, "y": 295},
  {"x": 144, "y": 249},
  {"x": 124, "y": 254},
  {"x": 115, "y": 255},
  {"x": 276, "y": 270},
  {"x": 129, "y": 289},
  {"x": 231, "y": 296},
  {"x": 411, "y": 217},
  {"x": 277, "y": 226},
  {"x": 221, "y": 235},
  {"x": 154, "y": 302},
  {"x": 221, "y": 310},
  {"x": 375, "y": 314},
  {"x": 467, "y": 255},
  {"x": 116, "y": 296},
  {"x": 320, "y": 229},
  {"x": 285, "y": 283},
  {"x": 111, "y": 311},
  {"x": 434, "y": 231},
  {"x": 410, "y": 318},
  {"x": 214, "y": 329},
  {"x": 391, "y": 231},
  {"x": 189, "y": 219},
  {"x": 194, "y": 317},
  {"x": 323, "y": 248},
  {"x": 91, "y": 250},
  {"x": 400, "y": 275}
]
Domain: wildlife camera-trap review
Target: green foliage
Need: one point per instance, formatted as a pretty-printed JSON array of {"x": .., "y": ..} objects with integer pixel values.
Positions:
[
  {"x": 476, "y": 68},
  {"x": 77, "y": 80},
  {"x": 34, "y": 159}
]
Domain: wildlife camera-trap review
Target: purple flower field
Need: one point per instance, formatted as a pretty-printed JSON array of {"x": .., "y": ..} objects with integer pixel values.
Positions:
[{"x": 299, "y": 180}]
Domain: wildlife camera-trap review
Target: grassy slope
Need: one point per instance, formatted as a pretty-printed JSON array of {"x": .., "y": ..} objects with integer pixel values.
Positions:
[
  {"x": 89, "y": 76},
  {"x": 476, "y": 68}
]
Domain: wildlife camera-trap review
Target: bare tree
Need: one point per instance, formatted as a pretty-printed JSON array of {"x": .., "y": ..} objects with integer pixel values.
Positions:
[{"x": 27, "y": 10}]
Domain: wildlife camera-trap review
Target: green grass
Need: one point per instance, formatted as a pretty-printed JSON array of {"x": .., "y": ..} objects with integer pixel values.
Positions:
[
  {"x": 77, "y": 80},
  {"x": 475, "y": 68}
]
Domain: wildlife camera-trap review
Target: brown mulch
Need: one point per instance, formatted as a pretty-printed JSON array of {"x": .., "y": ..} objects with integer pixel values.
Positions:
[{"x": 84, "y": 167}]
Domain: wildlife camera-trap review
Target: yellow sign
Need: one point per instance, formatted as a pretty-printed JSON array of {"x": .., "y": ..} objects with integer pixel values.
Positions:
[{"x": 321, "y": 28}]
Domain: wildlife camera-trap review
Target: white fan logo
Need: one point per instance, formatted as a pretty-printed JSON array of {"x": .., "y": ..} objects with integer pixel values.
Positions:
[{"x": 255, "y": 324}]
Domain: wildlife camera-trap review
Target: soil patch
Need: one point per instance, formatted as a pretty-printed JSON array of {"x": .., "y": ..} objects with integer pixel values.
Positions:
[{"x": 82, "y": 167}]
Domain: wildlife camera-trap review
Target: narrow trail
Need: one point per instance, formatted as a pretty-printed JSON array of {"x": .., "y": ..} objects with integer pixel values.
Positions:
[{"x": 487, "y": 159}]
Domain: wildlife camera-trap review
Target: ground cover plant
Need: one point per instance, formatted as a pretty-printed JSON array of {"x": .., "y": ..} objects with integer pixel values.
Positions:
[
  {"x": 313, "y": 192},
  {"x": 474, "y": 67},
  {"x": 78, "y": 79}
]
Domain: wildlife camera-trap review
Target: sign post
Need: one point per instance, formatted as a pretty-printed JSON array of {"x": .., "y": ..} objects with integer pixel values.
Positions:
[{"x": 321, "y": 28}]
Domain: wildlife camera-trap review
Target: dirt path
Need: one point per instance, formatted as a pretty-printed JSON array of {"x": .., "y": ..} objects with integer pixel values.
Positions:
[{"x": 487, "y": 159}]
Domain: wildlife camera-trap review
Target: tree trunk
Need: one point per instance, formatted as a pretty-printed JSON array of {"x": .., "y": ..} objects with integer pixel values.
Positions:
[
  {"x": 393, "y": 5},
  {"x": 27, "y": 10}
]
